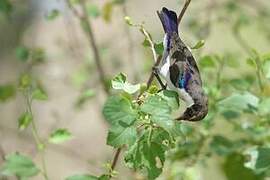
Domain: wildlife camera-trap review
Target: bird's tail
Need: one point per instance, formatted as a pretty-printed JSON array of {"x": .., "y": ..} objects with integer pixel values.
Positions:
[{"x": 168, "y": 19}]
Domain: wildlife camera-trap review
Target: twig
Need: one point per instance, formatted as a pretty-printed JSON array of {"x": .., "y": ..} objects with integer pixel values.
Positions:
[
  {"x": 130, "y": 46},
  {"x": 85, "y": 20},
  {"x": 187, "y": 2},
  {"x": 115, "y": 159},
  {"x": 241, "y": 41}
]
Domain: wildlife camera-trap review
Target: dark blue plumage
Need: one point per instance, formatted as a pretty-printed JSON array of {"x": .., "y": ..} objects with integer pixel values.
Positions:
[{"x": 169, "y": 21}]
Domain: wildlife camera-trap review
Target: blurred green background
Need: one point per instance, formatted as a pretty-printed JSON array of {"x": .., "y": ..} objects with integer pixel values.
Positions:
[{"x": 45, "y": 40}]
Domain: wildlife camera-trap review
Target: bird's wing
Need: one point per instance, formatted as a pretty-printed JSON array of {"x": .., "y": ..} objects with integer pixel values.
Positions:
[{"x": 179, "y": 75}]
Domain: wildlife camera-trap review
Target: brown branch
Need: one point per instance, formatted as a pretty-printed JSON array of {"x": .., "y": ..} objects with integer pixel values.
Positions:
[
  {"x": 115, "y": 159},
  {"x": 187, "y": 2},
  {"x": 85, "y": 20}
]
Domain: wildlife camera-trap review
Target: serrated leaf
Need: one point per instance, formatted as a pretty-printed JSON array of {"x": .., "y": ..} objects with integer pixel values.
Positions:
[
  {"x": 82, "y": 177},
  {"x": 240, "y": 102},
  {"x": 7, "y": 91},
  {"x": 39, "y": 94},
  {"x": 121, "y": 135},
  {"x": 171, "y": 97},
  {"x": 119, "y": 109},
  {"x": 199, "y": 44},
  {"x": 60, "y": 136},
  {"x": 19, "y": 165},
  {"x": 53, "y": 14},
  {"x": 24, "y": 120},
  {"x": 120, "y": 83}
]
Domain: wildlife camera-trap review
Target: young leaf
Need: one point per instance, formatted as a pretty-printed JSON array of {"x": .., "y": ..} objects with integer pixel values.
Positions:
[
  {"x": 85, "y": 96},
  {"x": 6, "y": 92},
  {"x": 259, "y": 159},
  {"x": 121, "y": 135},
  {"x": 118, "y": 109},
  {"x": 39, "y": 94},
  {"x": 107, "y": 11},
  {"x": 24, "y": 120},
  {"x": 52, "y": 14},
  {"x": 120, "y": 83},
  {"x": 82, "y": 177},
  {"x": 159, "y": 48},
  {"x": 128, "y": 21},
  {"x": 199, "y": 44},
  {"x": 22, "y": 53},
  {"x": 59, "y": 136},
  {"x": 19, "y": 165}
]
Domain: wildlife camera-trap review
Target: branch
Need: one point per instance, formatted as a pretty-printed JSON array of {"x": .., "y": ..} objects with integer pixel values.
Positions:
[
  {"x": 91, "y": 39},
  {"x": 115, "y": 159},
  {"x": 187, "y": 2}
]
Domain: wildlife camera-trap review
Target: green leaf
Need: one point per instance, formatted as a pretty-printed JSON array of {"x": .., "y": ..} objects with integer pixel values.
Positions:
[
  {"x": 39, "y": 94},
  {"x": 22, "y": 53},
  {"x": 24, "y": 120},
  {"x": 144, "y": 157},
  {"x": 82, "y": 177},
  {"x": 222, "y": 145},
  {"x": 5, "y": 7},
  {"x": 25, "y": 81},
  {"x": 7, "y": 91},
  {"x": 234, "y": 169},
  {"x": 160, "y": 112},
  {"x": 266, "y": 69},
  {"x": 118, "y": 109},
  {"x": 264, "y": 105},
  {"x": 120, "y": 83},
  {"x": 199, "y": 44},
  {"x": 259, "y": 159},
  {"x": 19, "y": 165},
  {"x": 171, "y": 97},
  {"x": 59, "y": 136},
  {"x": 207, "y": 62},
  {"x": 159, "y": 48},
  {"x": 37, "y": 55},
  {"x": 93, "y": 10},
  {"x": 53, "y": 14},
  {"x": 240, "y": 102},
  {"x": 107, "y": 11},
  {"x": 85, "y": 96},
  {"x": 121, "y": 135}
]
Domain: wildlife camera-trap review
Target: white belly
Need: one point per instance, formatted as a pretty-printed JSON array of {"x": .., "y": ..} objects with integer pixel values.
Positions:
[{"x": 165, "y": 73}]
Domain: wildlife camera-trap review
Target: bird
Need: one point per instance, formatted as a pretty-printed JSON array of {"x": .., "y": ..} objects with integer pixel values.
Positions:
[{"x": 179, "y": 69}]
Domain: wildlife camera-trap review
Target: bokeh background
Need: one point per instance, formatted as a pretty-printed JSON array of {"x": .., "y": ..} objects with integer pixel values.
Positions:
[{"x": 63, "y": 63}]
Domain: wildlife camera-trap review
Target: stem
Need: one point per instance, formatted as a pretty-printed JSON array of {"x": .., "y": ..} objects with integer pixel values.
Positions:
[
  {"x": 150, "y": 136},
  {"x": 115, "y": 159},
  {"x": 187, "y": 2},
  {"x": 241, "y": 41},
  {"x": 130, "y": 45},
  {"x": 36, "y": 136},
  {"x": 85, "y": 20}
]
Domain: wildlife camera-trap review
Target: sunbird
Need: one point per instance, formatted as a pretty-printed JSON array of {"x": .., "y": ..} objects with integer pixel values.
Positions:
[{"x": 180, "y": 71}]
